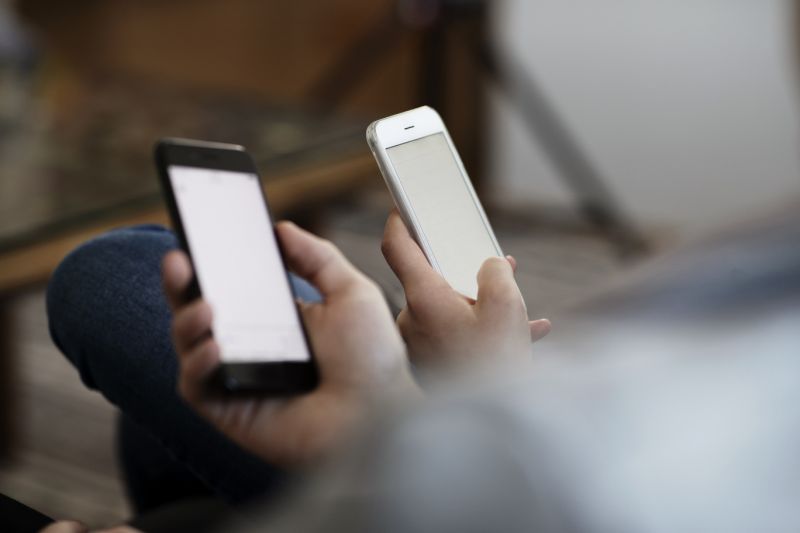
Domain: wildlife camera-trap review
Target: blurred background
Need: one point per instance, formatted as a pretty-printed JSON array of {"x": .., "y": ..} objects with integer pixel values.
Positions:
[{"x": 597, "y": 134}]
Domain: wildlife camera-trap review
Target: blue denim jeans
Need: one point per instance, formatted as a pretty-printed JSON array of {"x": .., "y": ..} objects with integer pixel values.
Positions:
[{"x": 108, "y": 315}]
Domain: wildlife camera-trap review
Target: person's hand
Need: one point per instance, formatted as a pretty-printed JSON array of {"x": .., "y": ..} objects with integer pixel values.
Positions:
[
  {"x": 357, "y": 347},
  {"x": 440, "y": 325}
]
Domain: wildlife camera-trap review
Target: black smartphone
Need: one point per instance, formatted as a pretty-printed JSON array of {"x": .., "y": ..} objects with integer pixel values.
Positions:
[{"x": 219, "y": 212}]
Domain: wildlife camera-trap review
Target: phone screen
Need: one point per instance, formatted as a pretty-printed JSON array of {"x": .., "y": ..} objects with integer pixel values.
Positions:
[
  {"x": 238, "y": 265},
  {"x": 449, "y": 218}
]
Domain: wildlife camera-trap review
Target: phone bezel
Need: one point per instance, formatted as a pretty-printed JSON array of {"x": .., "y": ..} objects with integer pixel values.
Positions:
[
  {"x": 266, "y": 377},
  {"x": 405, "y": 127}
]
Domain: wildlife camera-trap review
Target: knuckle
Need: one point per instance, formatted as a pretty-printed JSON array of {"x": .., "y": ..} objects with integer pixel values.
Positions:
[
  {"x": 368, "y": 289},
  {"x": 331, "y": 254},
  {"x": 179, "y": 326},
  {"x": 328, "y": 246},
  {"x": 186, "y": 319}
]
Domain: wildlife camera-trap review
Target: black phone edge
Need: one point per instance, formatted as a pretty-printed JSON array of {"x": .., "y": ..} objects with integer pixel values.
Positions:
[{"x": 274, "y": 378}]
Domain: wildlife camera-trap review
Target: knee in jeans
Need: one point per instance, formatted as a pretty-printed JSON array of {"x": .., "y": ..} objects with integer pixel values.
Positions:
[{"x": 99, "y": 276}]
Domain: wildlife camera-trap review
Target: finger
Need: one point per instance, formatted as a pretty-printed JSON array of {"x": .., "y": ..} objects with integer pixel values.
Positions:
[
  {"x": 65, "y": 526},
  {"x": 497, "y": 289},
  {"x": 405, "y": 257},
  {"x": 191, "y": 325},
  {"x": 539, "y": 328},
  {"x": 316, "y": 260},
  {"x": 176, "y": 274},
  {"x": 196, "y": 367},
  {"x": 512, "y": 262}
]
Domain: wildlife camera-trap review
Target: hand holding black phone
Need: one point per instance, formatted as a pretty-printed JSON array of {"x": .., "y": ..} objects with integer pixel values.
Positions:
[{"x": 222, "y": 220}]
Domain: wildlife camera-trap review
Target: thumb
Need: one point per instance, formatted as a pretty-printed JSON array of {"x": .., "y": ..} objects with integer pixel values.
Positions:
[
  {"x": 497, "y": 289},
  {"x": 316, "y": 260}
]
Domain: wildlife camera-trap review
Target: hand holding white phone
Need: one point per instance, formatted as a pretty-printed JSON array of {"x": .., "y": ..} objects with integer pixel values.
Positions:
[{"x": 433, "y": 193}]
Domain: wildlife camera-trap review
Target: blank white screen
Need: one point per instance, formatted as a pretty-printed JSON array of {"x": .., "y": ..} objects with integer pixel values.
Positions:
[
  {"x": 445, "y": 211},
  {"x": 238, "y": 265}
]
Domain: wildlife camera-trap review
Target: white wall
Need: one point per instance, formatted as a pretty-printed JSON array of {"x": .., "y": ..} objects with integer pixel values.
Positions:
[{"x": 688, "y": 106}]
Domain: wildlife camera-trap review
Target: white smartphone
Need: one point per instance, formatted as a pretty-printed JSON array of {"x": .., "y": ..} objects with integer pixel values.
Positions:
[{"x": 434, "y": 195}]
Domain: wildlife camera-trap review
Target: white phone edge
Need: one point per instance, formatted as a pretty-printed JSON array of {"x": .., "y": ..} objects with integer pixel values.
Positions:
[{"x": 431, "y": 123}]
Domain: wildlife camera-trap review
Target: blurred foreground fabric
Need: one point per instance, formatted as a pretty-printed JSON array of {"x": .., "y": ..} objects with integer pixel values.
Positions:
[{"x": 670, "y": 404}]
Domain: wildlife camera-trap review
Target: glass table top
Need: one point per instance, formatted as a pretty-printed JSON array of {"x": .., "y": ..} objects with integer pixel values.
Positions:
[{"x": 57, "y": 173}]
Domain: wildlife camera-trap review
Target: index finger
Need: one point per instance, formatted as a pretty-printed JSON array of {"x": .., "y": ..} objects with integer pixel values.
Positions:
[
  {"x": 316, "y": 260},
  {"x": 176, "y": 274},
  {"x": 406, "y": 258},
  {"x": 497, "y": 288}
]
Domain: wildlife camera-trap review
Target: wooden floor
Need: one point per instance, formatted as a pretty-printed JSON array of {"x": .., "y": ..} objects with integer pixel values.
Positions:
[{"x": 65, "y": 464}]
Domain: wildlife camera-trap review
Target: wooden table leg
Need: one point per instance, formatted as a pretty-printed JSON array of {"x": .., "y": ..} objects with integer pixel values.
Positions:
[{"x": 7, "y": 386}]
